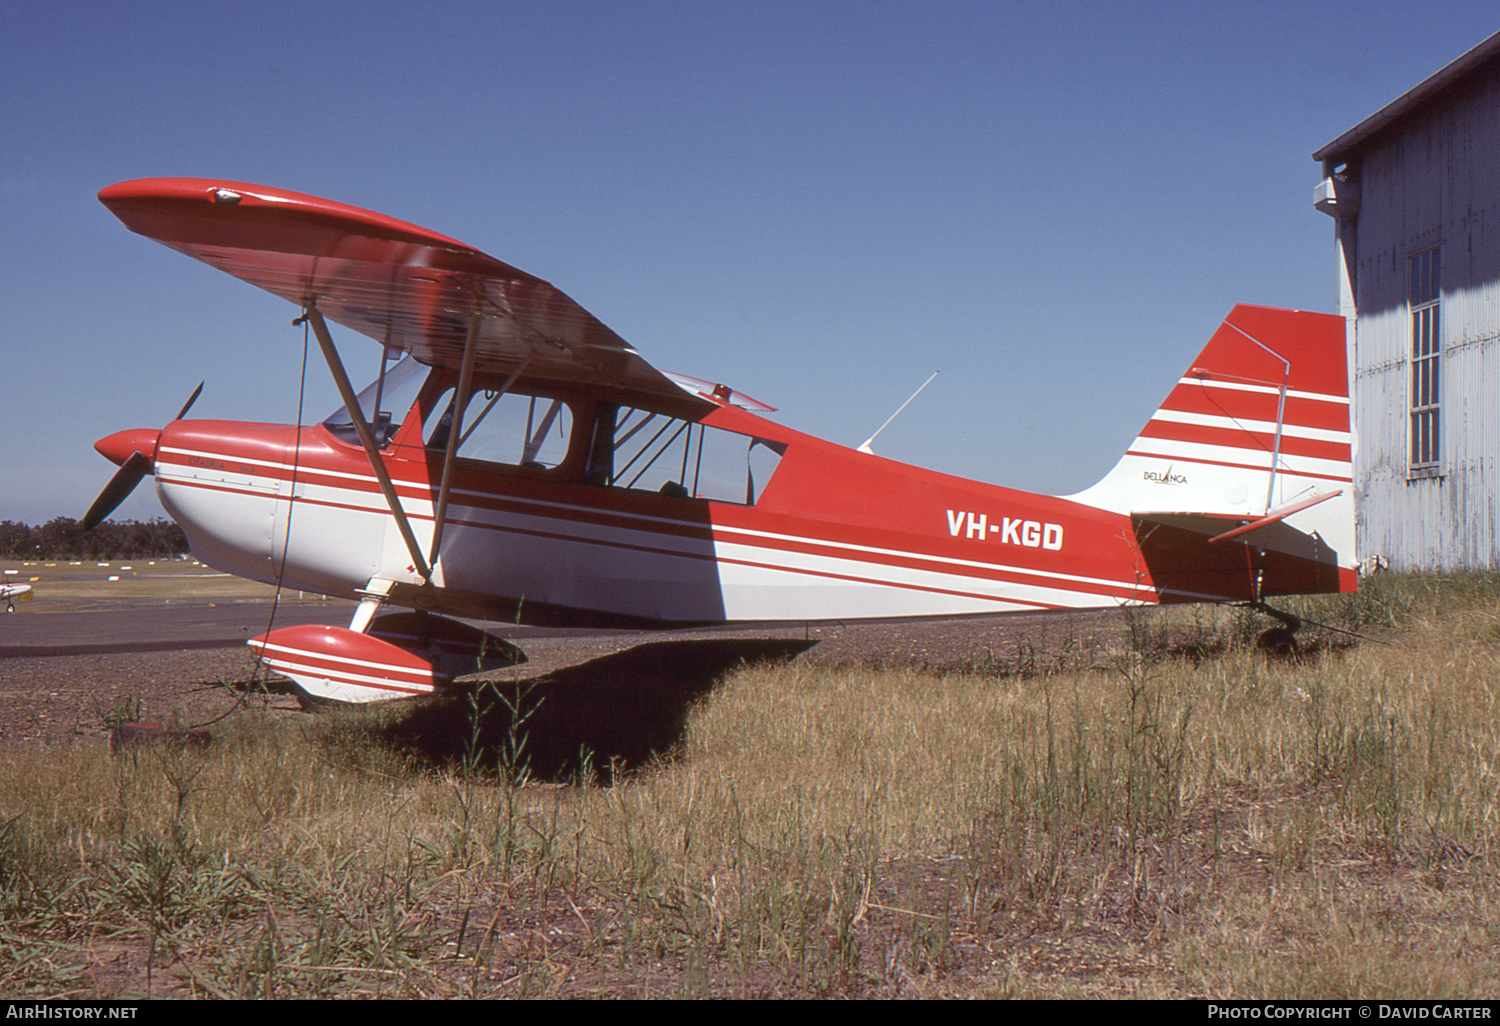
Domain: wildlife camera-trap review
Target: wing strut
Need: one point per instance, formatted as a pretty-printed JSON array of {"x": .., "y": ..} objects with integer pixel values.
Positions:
[
  {"x": 455, "y": 431},
  {"x": 456, "y": 434},
  {"x": 465, "y": 388},
  {"x": 366, "y": 436}
]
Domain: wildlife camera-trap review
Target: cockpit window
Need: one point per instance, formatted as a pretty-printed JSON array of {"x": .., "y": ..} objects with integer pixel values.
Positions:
[
  {"x": 510, "y": 428},
  {"x": 395, "y": 394},
  {"x": 647, "y": 451}
]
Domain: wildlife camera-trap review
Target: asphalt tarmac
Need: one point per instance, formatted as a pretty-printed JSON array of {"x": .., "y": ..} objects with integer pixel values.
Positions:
[
  {"x": 151, "y": 626},
  {"x": 65, "y": 674},
  {"x": 124, "y": 626}
]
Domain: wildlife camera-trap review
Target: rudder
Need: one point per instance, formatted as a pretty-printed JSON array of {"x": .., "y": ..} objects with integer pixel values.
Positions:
[{"x": 1259, "y": 424}]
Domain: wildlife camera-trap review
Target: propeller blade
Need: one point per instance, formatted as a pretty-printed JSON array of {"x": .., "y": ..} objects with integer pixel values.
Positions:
[
  {"x": 136, "y": 466},
  {"x": 119, "y": 488},
  {"x": 189, "y": 404}
]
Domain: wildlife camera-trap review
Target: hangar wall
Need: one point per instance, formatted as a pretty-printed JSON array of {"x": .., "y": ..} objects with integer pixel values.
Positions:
[{"x": 1419, "y": 205}]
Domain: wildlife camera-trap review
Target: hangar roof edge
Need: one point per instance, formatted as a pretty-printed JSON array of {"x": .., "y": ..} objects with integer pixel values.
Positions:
[{"x": 1430, "y": 91}]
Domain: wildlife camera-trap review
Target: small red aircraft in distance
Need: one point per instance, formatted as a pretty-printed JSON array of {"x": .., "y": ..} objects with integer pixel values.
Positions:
[{"x": 516, "y": 460}]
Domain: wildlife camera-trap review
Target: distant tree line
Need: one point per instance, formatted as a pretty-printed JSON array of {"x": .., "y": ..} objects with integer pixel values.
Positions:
[{"x": 63, "y": 538}]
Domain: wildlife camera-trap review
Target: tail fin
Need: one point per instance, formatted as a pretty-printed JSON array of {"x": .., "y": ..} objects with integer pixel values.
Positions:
[{"x": 1256, "y": 432}]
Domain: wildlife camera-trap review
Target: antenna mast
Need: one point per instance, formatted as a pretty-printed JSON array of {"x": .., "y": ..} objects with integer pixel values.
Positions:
[{"x": 866, "y": 446}]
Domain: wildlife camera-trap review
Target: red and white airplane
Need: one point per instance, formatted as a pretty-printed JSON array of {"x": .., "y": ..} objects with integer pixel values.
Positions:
[
  {"x": 10, "y": 592},
  {"x": 521, "y": 462}
]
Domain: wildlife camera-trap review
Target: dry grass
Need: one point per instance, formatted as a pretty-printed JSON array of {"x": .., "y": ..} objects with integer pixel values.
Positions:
[{"x": 1147, "y": 826}]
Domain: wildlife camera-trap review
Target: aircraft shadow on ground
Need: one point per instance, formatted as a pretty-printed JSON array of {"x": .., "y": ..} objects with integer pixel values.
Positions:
[{"x": 585, "y": 723}]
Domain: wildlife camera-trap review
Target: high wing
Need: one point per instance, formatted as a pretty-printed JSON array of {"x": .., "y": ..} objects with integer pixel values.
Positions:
[{"x": 404, "y": 286}]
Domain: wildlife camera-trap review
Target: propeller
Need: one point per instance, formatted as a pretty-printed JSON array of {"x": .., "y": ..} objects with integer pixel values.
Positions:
[
  {"x": 135, "y": 467},
  {"x": 134, "y": 451},
  {"x": 189, "y": 404}
]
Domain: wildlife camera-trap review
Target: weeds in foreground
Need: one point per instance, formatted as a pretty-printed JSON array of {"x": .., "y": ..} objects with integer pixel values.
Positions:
[{"x": 1143, "y": 825}]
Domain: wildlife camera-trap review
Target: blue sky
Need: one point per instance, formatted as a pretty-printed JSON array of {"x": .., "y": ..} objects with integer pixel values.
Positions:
[{"x": 818, "y": 203}]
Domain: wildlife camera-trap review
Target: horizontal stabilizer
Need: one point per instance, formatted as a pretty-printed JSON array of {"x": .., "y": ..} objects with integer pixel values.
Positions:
[{"x": 1274, "y": 517}]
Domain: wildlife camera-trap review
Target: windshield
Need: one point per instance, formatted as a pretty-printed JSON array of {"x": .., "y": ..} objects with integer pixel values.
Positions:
[{"x": 402, "y": 382}]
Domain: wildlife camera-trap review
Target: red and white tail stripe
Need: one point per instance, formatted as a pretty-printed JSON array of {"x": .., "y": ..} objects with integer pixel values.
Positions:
[
  {"x": 1269, "y": 391},
  {"x": 1259, "y": 421}
]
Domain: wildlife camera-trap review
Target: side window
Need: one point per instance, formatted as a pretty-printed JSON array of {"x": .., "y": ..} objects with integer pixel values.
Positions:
[
  {"x": 646, "y": 451},
  {"x": 1424, "y": 297},
  {"x": 514, "y": 429}
]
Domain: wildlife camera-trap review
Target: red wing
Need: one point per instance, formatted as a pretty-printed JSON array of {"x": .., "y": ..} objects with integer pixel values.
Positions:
[{"x": 407, "y": 287}]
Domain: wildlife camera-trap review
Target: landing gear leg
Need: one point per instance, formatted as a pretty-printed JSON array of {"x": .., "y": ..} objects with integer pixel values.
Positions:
[{"x": 372, "y": 596}]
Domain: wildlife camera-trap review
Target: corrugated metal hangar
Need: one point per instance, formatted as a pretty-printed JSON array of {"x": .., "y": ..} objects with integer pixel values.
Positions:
[{"x": 1415, "y": 192}]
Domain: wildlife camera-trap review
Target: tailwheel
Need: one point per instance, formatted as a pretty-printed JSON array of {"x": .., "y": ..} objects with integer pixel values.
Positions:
[{"x": 1278, "y": 641}]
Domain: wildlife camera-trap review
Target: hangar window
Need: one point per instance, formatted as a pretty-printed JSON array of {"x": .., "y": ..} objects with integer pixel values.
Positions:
[{"x": 1426, "y": 363}]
